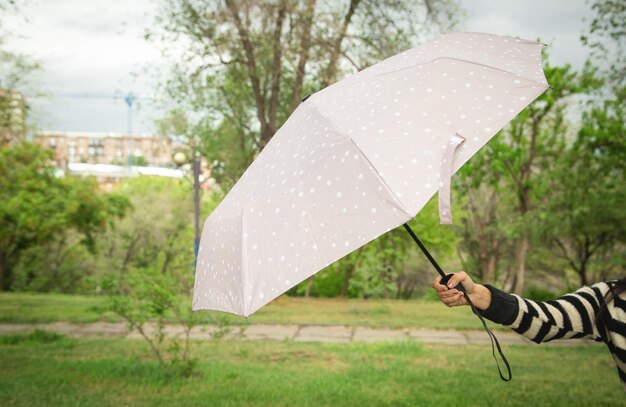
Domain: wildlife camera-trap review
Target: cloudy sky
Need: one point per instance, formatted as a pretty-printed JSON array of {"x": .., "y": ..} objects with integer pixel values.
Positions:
[{"x": 93, "y": 53}]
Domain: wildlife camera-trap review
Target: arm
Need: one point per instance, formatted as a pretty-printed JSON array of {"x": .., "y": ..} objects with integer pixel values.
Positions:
[{"x": 571, "y": 316}]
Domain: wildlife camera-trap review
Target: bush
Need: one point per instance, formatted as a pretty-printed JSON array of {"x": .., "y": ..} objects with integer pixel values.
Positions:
[
  {"x": 150, "y": 296},
  {"x": 540, "y": 294}
]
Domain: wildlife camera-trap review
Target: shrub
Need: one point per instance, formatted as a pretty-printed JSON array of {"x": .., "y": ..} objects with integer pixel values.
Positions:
[{"x": 540, "y": 294}]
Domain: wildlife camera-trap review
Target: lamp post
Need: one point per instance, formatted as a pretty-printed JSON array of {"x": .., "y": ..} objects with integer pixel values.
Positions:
[
  {"x": 130, "y": 99},
  {"x": 196, "y": 205},
  {"x": 181, "y": 158}
]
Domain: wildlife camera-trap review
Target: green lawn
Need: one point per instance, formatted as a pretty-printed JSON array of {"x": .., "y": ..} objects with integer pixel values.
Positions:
[
  {"x": 48, "y": 307},
  {"x": 32, "y": 307},
  {"x": 108, "y": 372}
]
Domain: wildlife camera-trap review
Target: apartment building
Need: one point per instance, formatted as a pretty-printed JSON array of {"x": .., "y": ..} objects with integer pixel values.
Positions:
[
  {"x": 12, "y": 117},
  {"x": 107, "y": 148}
]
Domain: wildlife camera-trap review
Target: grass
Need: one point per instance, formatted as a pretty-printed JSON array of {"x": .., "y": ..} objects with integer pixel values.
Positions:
[
  {"x": 43, "y": 308},
  {"x": 49, "y": 307},
  {"x": 41, "y": 370}
]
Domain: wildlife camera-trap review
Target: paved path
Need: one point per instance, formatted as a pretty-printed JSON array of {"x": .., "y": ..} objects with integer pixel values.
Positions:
[{"x": 295, "y": 332}]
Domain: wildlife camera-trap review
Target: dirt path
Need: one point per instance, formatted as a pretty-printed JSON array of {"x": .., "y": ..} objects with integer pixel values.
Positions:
[{"x": 295, "y": 332}]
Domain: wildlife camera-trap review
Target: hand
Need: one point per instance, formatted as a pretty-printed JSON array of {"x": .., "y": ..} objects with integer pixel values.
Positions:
[{"x": 452, "y": 297}]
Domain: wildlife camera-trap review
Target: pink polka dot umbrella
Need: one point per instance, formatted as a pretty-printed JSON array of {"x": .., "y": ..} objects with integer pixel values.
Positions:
[{"x": 357, "y": 159}]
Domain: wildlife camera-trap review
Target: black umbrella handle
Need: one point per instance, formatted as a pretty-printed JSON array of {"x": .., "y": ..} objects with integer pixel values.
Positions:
[
  {"x": 421, "y": 245},
  {"x": 444, "y": 280}
]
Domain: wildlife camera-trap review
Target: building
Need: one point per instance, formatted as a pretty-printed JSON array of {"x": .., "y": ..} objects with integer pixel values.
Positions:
[
  {"x": 104, "y": 156},
  {"x": 12, "y": 117},
  {"x": 107, "y": 148}
]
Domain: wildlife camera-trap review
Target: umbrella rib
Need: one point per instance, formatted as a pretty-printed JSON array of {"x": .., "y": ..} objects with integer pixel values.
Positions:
[
  {"x": 323, "y": 257},
  {"x": 244, "y": 262},
  {"x": 340, "y": 85},
  {"x": 463, "y": 61},
  {"x": 395, "y": 198}
]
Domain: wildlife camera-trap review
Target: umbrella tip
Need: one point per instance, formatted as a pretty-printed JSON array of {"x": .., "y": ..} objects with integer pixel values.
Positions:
[{"x": 306, "y": 97}]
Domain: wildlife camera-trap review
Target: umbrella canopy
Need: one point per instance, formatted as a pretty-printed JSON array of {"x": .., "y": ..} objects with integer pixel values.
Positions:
[{"x": 358, "y": 159}]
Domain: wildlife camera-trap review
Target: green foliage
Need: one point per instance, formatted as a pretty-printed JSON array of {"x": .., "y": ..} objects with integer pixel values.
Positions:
[
  {"x": 150, "y": 261},
  {"x": 243, "y": 67},
  {"x": 585, "y": 215},
  {"x": 39, "y": 211},
  {"x": 606, "y": 37},
  {"x": 156, "y": 233},
  {"x": 146, "y": 223},
  {"x": 430, "y": 295},
  {"x": 15, "y": 68},
  {"x": 508, "y": 183},
  {"x": 539, "y": 294},
  {"x": 146, "y": 299},
  {"x": 65, "y": 266}
]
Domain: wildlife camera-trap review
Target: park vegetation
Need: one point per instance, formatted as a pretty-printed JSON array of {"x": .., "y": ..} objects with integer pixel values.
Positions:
[{"x": 540, "y": 210}]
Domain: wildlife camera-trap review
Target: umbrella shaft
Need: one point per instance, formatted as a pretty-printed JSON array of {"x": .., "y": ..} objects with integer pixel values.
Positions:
[{"x": 426, "y": 252}]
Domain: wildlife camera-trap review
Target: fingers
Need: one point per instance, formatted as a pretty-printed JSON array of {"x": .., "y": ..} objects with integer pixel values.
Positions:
[
  {"x": 461, "y": 278},
  {"x": 452, "y": 298},
  {"x": 438, "y": 287},
  {"x": 450, "y": 295}
]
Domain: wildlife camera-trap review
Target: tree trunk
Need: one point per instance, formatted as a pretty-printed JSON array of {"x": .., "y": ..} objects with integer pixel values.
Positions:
[
  {"x": 166, "y": 262},
  {"x": 4, "y": 273},
  {"x": 490, "y": 275},
  {"x": 251, "y": 66},
  {"x": 304, "y": 53},
  {"x": 309, "y": 284},
  {"x": 276, "y": 68},
  {"x": 520, "y": 264},
  {"x": 582, "y": 272},
  {"x": 266, "y": 135},
  {"x": 507, "y": 283},
  {"x": 346, "y": 281},
  {"x": 331, "y": 71}
]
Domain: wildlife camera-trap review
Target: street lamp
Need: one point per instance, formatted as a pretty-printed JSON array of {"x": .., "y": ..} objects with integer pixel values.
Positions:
[
  {"x": 130, "y": 99},
  {"x": 180, "y": 158}
]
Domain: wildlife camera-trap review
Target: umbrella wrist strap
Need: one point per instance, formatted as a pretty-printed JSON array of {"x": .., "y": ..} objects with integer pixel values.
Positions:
[
  {"x": 444, "y": 278},
  {"x": 494, "y": 340}
]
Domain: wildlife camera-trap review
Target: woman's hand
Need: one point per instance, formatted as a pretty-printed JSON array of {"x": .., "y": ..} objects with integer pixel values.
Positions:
[{"x": 452, "y": 297}]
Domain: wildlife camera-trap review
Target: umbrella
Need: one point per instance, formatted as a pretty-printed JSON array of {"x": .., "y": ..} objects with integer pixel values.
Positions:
[{"x": 357, "y": 159}]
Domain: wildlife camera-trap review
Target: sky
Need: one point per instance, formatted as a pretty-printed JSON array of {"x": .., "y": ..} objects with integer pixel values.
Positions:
[{"x": 93, "y": 53}]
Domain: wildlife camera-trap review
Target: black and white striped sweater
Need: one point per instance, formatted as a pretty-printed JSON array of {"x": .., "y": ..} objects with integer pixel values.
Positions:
[{"x": 571, "y": 316}]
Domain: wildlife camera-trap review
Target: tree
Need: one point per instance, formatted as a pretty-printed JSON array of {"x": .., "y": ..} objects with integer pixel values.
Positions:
[
  {"x": 151, "y": 297},
  {"x": 156, "y": 232},
  {"x": 39, "y": 208},
  {"x": 246, "y": 65},
  {"x": 16, "y": 70},
  {"x": 516, "y": 160},
  {"x": 483, "y": 235},
  {"x": 606, "y": 37},
  {"x": 587, "y": 207}
]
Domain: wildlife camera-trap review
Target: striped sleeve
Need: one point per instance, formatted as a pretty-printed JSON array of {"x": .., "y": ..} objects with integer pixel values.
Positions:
[{"x": 571, "y": 316}]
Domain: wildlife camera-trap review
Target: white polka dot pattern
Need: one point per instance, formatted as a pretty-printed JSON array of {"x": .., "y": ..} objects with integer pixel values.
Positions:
[{"x": 356, "y": 160}]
